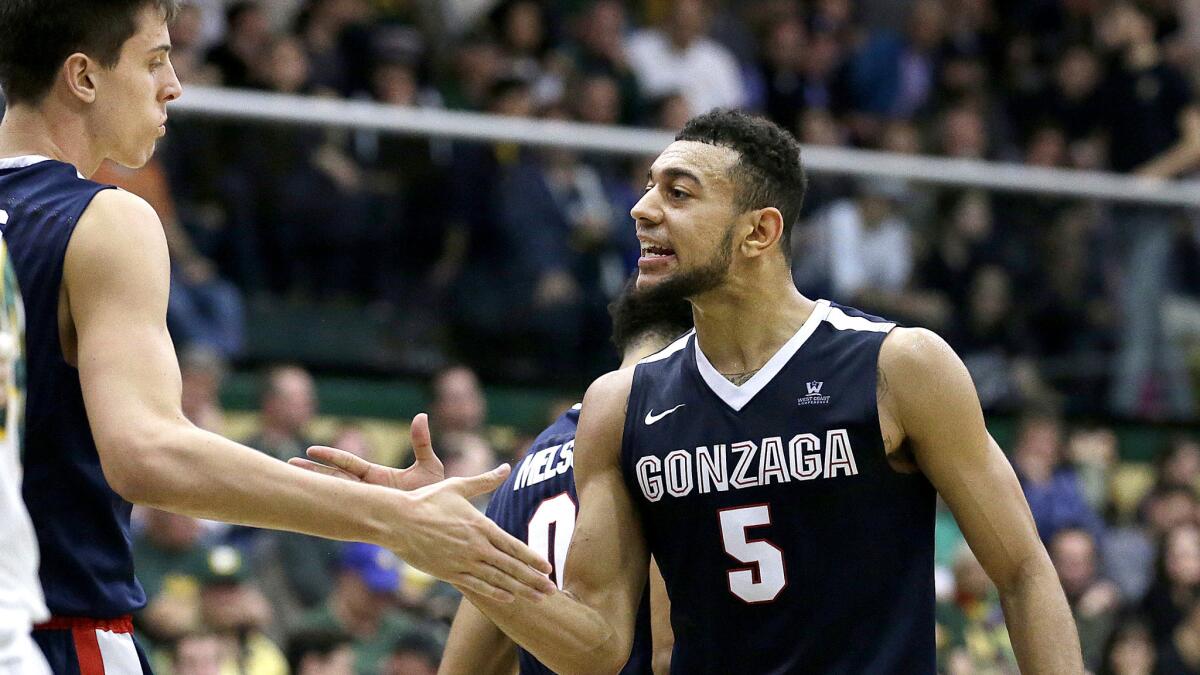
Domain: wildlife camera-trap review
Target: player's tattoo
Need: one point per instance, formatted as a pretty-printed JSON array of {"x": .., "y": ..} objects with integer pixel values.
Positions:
[
  {"x": 738, "y": 379},
  {"x": 881, "y": 384}
]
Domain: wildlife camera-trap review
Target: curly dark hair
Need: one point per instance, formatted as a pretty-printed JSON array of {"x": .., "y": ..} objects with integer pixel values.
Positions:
[
  {"x": 41, "y": 34},
  {"x": 768, "y": 172},
  {"x": 637, "y": 315}
]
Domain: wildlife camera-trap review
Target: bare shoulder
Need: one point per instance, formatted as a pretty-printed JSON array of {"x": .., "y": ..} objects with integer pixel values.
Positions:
[
  {"x": 119, "y": 218},
  {"x": 607, "y": 396},
  {"x": 602, "y": 419},
  {"x": 117, "y": 231},
  {"x": 923, "y": 385}
]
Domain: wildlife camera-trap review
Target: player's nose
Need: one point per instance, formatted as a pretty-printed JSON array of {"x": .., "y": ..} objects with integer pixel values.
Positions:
[
  {"x": 647, "y": 208},
  {"x": 173, "y": 88}
]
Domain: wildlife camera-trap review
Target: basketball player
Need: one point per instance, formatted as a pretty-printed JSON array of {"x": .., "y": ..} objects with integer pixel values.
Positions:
[
  {"x": 780, "y": 462},
  {"x": 537, "y": 504},
  {"x": 21, "y": 601},
  {"x": 88, "y": 80}
]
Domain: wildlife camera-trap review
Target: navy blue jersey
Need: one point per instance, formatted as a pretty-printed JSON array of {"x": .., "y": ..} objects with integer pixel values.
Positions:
[
  {"x": 537, "y": 504},
  {"x": 787, "y": 542},
  {"x": 82, "y": 525}
]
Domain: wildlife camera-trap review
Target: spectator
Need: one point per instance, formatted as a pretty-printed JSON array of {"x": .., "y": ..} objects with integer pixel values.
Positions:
[
  {"x": 1051, "y": 487},
  {"x": 1179, "y": 652},
  {"x": 413, "y": 655},
  {"x": 233, "y": 608},
  {"x": 895, "y": 75},
  {"x": 458, "y": 403},
  {"x": 1130, "y": 551},
  {"x": 202, "y": 372},
  {"x": 1094, "y": 601},
  {"x": 971, "y": 635},
  {"x": 363, "y": 604},
  {"x": 679, "y": 57},
  {"x": 320, "y": 652},
  {"x": 992, "y": 342},
  {"x": 247, "y": 33},
  {"x": 1178, "y": 464},
  {"x": 1153, "y": 129},
  {"x": 528, "y": 46},
  {"x": 170, "y": 555},
  {"x": 287, "y": 404},
  {"x": 198, "y": 654},
  {"x": 1176, "y": 587},
  {"x": 1130, "y": 650},
  {"x": 601, "y": 51}
]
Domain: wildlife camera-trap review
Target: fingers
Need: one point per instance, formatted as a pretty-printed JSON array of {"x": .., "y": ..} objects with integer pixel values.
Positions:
[
  {"x": 316, "y": 467},
  {"x": 346, "y": 461},
  {"x": 479, "y": 587},
  {"x": 481, "y": 484},
  {"x": 421, "y": 441},
  {"x": 535, "y": 567},
  {"x": 518, "y": 578}
]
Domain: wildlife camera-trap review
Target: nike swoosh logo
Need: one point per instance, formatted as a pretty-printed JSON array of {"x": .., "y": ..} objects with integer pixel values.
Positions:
[{"x": 651, "y": 418}]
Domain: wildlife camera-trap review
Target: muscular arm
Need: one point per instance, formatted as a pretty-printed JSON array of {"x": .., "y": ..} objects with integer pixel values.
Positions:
[
  {"x": 929, "y": 396},
  {"x": 476, "y": 646},
  {"x": 588, "y": 627},
  {"x": 116, "y": 280}
]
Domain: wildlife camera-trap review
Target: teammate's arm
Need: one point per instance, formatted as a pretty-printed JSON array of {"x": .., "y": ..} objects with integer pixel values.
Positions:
[
  {"x": 926, "y": 392},
  {"x": 476, "y": 646},
  {"x": 588, "y": 627},
  {"x": 116, "y": 278}
]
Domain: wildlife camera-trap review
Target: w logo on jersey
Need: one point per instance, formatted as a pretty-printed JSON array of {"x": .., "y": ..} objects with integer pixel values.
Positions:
[{"x": 814, "y": 396}]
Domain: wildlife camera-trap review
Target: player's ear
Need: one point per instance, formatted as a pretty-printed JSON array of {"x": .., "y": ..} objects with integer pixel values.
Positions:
[
  {"x": 766, "y": 229},
  {"x": 78, "y": 72}
]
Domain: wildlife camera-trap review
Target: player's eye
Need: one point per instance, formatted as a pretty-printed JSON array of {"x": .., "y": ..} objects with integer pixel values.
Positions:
[{"x": 676, "y": 193}]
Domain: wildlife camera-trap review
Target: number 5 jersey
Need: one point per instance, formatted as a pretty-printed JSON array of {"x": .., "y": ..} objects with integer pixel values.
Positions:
[{"x": 787, "y": 542}]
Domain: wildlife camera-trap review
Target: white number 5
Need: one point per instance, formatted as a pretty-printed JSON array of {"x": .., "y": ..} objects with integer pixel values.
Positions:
[{"x": 765, "y": 578}]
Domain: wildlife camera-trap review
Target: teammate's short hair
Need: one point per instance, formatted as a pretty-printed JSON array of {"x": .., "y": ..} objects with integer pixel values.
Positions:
[
  {"x": 637, "y": 315},
  {"x": 39, "y": 35},
  {"x": 768, "y": 172}
]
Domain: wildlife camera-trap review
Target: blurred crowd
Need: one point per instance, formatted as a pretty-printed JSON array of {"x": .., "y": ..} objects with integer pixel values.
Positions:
[
  {"x": 504, "y": 256},
  {"x": 1124, "y": 537}
]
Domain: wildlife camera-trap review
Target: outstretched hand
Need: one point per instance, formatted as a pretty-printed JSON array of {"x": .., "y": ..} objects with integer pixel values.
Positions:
[
  {"x": 443, "y": 534},
  {"x": 426, "y": 468}
]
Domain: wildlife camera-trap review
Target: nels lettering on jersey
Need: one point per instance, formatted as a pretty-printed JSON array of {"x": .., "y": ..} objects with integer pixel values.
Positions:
[{"x": 787, "y": 542}]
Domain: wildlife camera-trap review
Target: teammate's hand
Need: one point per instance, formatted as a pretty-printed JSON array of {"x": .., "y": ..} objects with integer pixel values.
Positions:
[
  {"x": 426, "y": 468},
  {"x": 448, "y": 538}
]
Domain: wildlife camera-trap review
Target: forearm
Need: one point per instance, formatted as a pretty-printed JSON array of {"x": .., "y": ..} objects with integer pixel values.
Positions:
[
  {"x": 1039, "y": 622},
  {"x": 476, "y": 646},
  {"x": 184, "y": 469},
  {"x": 561, "y": 632},
  {"x": 1180, "y": 158}
]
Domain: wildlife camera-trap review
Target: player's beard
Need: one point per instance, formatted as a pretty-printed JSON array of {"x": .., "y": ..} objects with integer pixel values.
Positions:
[{"x": 688, "y": 284}]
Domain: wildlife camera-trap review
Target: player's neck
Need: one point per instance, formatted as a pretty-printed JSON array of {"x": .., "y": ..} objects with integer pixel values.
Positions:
[
  {"x": 741, "y": 325},
  {"x": 27, "y": 130}
]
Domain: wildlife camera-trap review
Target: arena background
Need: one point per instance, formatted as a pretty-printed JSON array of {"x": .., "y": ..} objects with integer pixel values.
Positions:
[{"x": 382, "y": 207}]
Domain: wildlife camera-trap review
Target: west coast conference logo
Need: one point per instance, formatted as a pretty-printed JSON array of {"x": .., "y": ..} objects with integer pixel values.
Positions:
[{"x": 814, "y": 396}]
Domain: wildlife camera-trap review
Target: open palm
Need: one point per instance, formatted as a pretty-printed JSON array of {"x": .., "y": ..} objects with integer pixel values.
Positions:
[{"x": 426, "y": 468}]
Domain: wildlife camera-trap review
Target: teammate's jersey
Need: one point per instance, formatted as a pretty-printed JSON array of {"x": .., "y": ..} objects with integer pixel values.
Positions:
[
  {"x": 537, "y": 504},
  {"x": 21, "y": 599},
  {"x": 787, "y": 542},
  {"x": 82, "y": 525}
]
